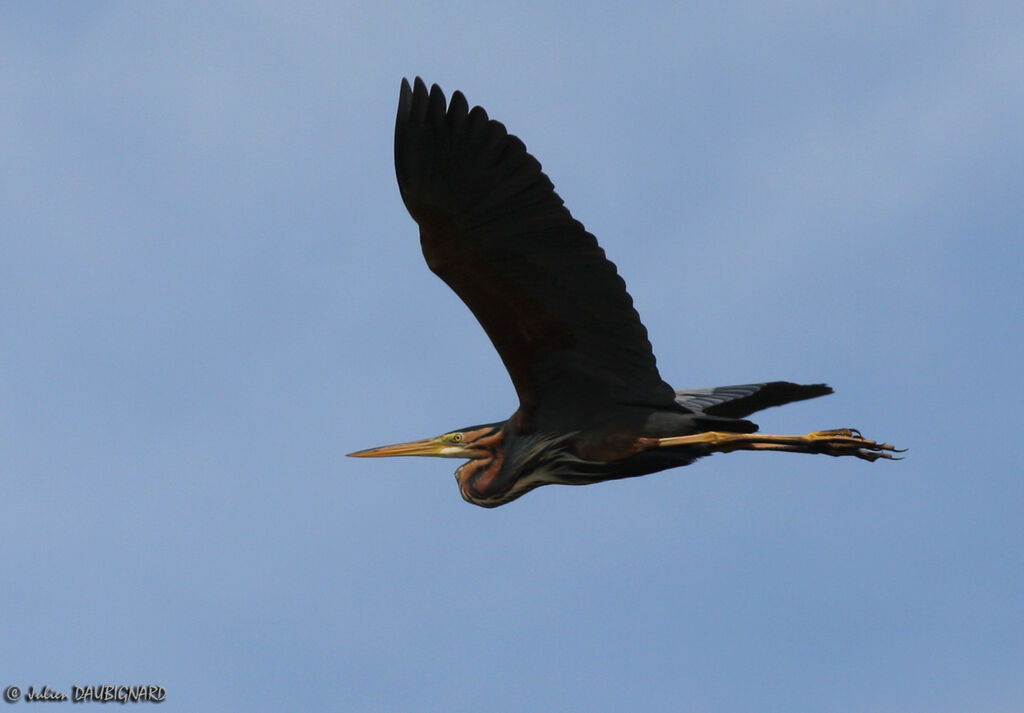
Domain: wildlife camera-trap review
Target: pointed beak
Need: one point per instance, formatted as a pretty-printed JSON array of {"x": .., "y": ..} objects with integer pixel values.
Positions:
[{"x": 426, "y": 447}]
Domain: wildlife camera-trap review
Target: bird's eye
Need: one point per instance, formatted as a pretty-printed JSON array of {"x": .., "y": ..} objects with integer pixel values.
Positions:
[{"x": 456, "y": 438}]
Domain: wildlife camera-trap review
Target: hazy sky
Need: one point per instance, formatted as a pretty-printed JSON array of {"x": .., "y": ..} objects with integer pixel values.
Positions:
[{"x": 211, "y": 292}]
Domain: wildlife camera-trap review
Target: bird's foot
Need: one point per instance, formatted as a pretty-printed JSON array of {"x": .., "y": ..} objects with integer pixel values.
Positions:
[{"x": 850, "y": 442}]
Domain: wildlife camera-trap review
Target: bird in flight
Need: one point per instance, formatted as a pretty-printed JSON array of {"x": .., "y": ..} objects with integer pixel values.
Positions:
[{"x": 592, "y": 405}]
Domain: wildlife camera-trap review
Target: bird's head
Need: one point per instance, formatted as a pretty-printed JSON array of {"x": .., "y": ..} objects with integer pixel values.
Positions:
[
  {"x": 482, "y": 445},
  {"x": 475, "y": 442}
]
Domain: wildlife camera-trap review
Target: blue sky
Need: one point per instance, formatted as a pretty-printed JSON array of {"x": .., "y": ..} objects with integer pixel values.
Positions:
[{"x": 211, "y": 292}]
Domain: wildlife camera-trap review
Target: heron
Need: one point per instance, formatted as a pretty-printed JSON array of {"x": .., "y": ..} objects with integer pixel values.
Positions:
[{"x": 592, "y": 403}]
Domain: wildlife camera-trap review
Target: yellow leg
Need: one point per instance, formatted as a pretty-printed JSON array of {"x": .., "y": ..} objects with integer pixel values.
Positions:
[{"x": 837, "y": 442}]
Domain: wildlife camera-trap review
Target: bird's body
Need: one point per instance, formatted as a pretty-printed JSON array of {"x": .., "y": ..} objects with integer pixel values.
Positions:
[{"x": 593, "y": 405}]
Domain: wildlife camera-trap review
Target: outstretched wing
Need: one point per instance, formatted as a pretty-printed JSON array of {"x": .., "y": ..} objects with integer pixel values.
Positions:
[{"x": 493, "y": 228}]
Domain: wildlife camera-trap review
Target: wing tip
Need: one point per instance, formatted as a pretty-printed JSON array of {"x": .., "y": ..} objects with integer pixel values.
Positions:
[{"x": 404, "y": 99}]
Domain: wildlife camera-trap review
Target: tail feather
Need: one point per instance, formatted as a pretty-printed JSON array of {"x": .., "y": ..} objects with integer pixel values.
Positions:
[{"x": 743, "y": 400}]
